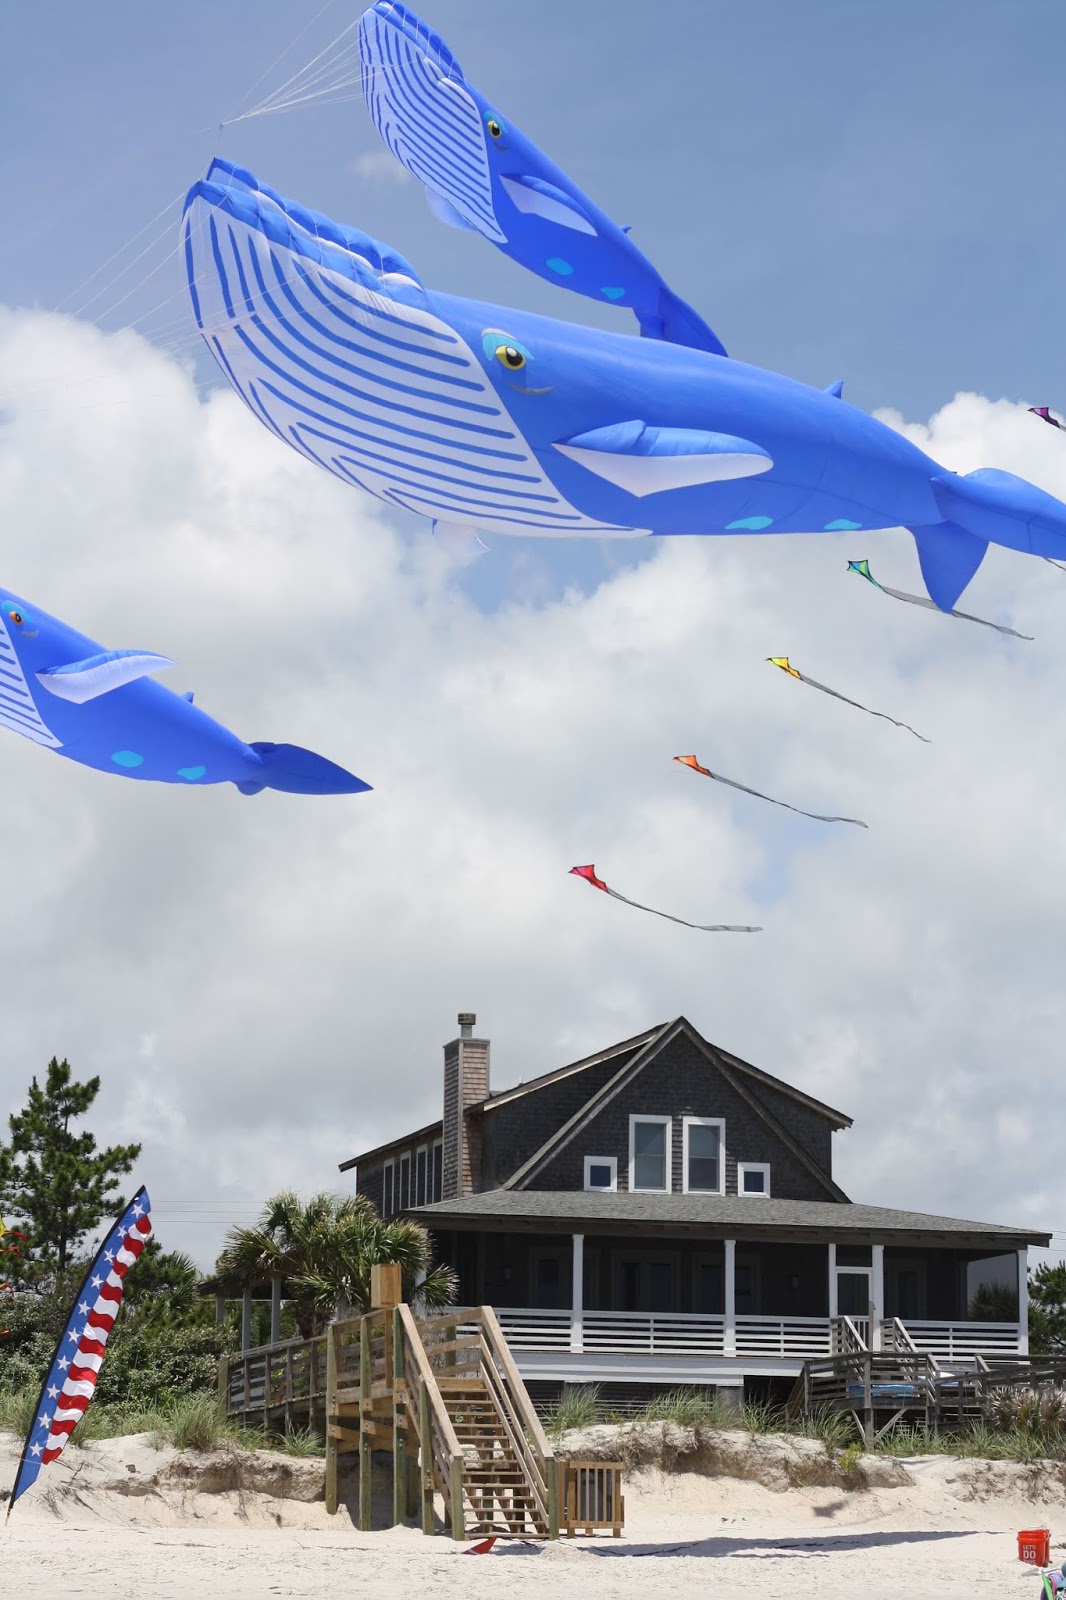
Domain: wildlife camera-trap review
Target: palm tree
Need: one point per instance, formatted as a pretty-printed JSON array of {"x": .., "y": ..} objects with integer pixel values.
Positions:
[{"x": 324, "y": 1248}]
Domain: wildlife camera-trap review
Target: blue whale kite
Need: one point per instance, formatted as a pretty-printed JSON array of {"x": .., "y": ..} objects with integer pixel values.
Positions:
[
  {"x": 101, "y": 708},
  {"x": 489, "y": 419}
]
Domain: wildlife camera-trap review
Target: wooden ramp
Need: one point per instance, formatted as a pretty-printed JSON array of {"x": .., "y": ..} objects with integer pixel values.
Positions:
[{"x": 442, "y": 1396}]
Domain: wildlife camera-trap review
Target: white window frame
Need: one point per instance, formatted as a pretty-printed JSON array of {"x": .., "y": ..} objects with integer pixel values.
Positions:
[
  {"x": 664, "y": 1122},
  {"x": 753, "y": 1166},
  {"x": 387, "y": 1167},
  {"x": 703, "y": 1122},
  {"x": 431, "y": 1185},
  {"x": 602, "y": 1161},
  {"x": 423, "y": 1151}
]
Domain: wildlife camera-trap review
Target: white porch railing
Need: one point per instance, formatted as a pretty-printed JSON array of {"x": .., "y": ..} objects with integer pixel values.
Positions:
[
  {"x": 784, "y": 1337},
  {"x": 954, "y": 1341},
  {"x": 671, "y": 1333}
]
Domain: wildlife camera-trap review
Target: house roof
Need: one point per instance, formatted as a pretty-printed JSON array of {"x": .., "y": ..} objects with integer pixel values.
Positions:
[
  {"x": 737, "y": 1074},
  {"x": 432, "y": 1130},
  {"x": 718, "y": 1216},
  {"x": 734, "y": 1066}
]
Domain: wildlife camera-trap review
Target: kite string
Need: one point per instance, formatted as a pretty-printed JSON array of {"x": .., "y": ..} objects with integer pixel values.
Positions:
[
  {"x": 105, "y": 264},
  {"x": 293, "y": 80},
  {"x": 247, "y": 95}
]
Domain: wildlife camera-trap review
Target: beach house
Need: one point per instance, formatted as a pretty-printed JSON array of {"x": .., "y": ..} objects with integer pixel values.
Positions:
[{"x": 663, "y": 1213}]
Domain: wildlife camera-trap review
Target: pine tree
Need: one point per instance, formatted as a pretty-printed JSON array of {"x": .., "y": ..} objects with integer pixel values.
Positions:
[{"x": 54, "y": 1179}]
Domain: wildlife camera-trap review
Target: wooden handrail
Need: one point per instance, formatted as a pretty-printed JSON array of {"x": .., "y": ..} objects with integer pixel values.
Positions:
[{"x": 526, "y": 1414}]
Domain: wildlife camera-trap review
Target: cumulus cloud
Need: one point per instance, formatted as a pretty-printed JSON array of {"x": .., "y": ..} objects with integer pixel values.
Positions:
[
  {"x": 379, "y": 166},
  {"x": 264, "y": 984}
]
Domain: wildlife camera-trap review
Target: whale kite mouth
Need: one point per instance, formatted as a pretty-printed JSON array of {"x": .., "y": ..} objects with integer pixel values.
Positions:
[{"x": 523, "y": 389}]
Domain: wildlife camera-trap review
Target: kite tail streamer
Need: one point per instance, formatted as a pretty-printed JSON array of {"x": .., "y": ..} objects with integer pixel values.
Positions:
[
  {"x": 863, "y": 570},
  {"x": 815, "y": 816},
  {"x": 786, "y": 666},
  {"x": 589, "y": 875}
]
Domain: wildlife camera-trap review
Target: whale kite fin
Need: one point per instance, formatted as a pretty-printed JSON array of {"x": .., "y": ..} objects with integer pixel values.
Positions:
[
  {"x": 539, "y": 198},
  {"x": 836, "y": 388},
  {"x": 1003, "y": 509},
  {"x": 459, "y": 540},
  {"x": 647, "y": 460},
  {"x": 445, "y": 212},
  {"x": 948, "y": 557},
  {"x": 80, "y": 681},
  {"x": 296, "y": 771}
]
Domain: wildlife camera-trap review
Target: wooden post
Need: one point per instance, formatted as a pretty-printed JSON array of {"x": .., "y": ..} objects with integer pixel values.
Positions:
[
  {"x": 386, "y": 1289},
  {"x": 366, "y": 1379},
  {"x": 275, "y": 1310},
  {"x": 729, "y": 1296},
  {"x": 399, "y": 1431},
  {"x": 868, "y": 1384},
  {"x": 425, "y": 1429},
  {"x": 331, "y": 1420},
  {"x": 553, "y": 1474},
  {"x": 455, "y": 1485},
  {"x": 246, "y": 1320},
  {"x": 223, "y": 1385}
]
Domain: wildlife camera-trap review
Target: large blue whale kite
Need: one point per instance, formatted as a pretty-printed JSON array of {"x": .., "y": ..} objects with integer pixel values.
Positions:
[
  {"x": 100, "y": 707},
  {"x": 491, "y": 419}
]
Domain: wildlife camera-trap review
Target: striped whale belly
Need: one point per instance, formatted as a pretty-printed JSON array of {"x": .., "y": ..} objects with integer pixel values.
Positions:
[
  {"x": 428, "y": 118},
  {"x": 17, "y": 708},
  {"x": 336, "y": 361}
]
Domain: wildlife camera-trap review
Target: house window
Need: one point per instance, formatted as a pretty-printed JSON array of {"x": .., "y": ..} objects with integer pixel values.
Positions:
[
  {"x": 420, "y": 1176},
  {"x": 704, "y": 1155},
  {"x": 404, "y": 1199},
  {"x": 438, "y": 1171},
  {"x": 649, "y": 1153},
  {"x": 551, "y": 1280},
  {"x": 388, "y": 1189},
  {"x": 753, "y": 1177},
  {"x": 601, "y": 1172}
]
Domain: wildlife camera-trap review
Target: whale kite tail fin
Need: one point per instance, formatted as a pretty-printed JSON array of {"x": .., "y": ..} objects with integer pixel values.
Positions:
[
  {"x": 676, "y": 322},
  {"x": 982, "y": 508},
  {"x": 296, "y": 771}
]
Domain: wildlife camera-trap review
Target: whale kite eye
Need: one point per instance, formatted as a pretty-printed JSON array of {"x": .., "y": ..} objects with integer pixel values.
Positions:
[
  {"x": 507, "y": 351},
  {"x": 494, "y": 128},
  {"x": 17, "y": 618},
  {"x": 509, "y": 356}
]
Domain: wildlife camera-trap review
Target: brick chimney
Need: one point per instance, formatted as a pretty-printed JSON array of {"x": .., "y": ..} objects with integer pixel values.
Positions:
[{"x": 466, "y": 1081}]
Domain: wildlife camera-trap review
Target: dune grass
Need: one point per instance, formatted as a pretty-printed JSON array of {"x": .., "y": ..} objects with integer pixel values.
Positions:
[{"x": 192, "y": 1423}]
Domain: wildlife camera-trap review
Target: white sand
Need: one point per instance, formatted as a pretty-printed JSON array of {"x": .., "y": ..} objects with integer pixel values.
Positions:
[{"x": 238, "y": 1528}]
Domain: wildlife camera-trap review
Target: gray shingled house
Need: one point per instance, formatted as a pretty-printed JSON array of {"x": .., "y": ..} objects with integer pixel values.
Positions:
[{"x": 664, "y": 1213}]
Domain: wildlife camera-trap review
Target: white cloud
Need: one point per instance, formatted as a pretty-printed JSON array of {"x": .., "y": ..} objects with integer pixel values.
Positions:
[
  {"x": 379, "y": 166},
  {"x": 264, "y": 984}
]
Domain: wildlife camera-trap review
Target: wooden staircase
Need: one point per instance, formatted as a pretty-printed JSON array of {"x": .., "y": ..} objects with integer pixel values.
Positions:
[{"x": 444, "y": 1395}]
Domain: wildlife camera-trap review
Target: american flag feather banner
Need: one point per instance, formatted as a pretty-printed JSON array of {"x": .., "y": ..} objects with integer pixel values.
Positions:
[{"x": 79, "y": 1355}]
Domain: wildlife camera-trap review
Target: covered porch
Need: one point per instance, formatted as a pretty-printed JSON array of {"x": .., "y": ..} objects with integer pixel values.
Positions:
[{"x": 682, "y": 1307}]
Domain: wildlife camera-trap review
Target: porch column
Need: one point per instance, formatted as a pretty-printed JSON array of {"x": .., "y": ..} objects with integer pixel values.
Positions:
[
  {"x": 275, "y": 1310},
  {"x": 246, "y": 1320},
  {"x": 729, "y": 1284},
  {"x": 833, "y": 1281},
  {"x": 1023, "y": 1301},
  {"x": 877, "y": 1295},
  {"x": 577, "y": 1293}
]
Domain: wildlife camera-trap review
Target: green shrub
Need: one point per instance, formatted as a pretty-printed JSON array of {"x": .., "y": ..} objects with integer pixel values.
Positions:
[{"x": 689, "y": 1408}]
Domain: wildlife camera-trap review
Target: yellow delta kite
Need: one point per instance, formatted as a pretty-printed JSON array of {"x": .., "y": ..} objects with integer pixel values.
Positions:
[{"x": 786, "y": 666}]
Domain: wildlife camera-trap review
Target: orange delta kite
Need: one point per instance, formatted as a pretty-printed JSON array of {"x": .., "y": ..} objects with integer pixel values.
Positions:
[
  {"x": 815, "y": 816},
  {"x": 863, "y": 570},
  {"x": 786, "y": 666},
  {"x": 589, "y": 875}
]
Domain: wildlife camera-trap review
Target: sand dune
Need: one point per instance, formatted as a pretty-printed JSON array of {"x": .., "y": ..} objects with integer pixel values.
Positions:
[{"x": 121, "y": 1517}]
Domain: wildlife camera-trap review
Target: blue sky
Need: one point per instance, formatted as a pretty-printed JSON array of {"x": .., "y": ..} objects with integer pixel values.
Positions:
[{"x": 845, "y": 190}]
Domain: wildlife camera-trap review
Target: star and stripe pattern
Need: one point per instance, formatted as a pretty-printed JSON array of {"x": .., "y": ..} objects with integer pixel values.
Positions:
[{"x": 75, "y": 1368}]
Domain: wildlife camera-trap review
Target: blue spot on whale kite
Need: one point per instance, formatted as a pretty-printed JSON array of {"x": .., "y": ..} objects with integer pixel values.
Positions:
[
  {"x": 127, "y": 758},
  {"x": 557, "y": 264},
  {"x": 842, "y": 525},
  {"x": 190, "y": 774},
  {"x": 613, "y": 294},
  {"x": 756, "y": 524}
]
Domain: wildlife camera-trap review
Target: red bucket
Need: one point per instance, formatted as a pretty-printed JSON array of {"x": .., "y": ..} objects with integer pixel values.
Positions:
[{"x": 1034, "y": 1546}]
